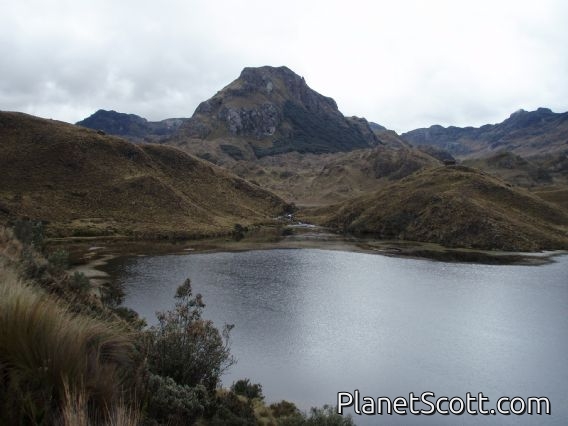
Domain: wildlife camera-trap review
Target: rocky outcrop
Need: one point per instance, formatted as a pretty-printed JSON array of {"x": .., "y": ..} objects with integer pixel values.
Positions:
[{"x": 273, "y": 110}]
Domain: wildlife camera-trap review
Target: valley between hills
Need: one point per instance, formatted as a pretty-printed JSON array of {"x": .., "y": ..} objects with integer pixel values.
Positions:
[{"x": 267, "y": 146}]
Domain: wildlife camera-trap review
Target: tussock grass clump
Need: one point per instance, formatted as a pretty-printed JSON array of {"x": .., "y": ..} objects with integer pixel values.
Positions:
[
  {"x": 75, "y": 412},
  {"x": 50, "y": 356}
]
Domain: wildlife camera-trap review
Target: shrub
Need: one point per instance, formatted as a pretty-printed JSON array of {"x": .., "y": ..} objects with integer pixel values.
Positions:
[
  {"x": 187, "y": 348},
  {"x": 287, "y": 231},
  {"x": 284, "y": 409},
  {"x": 327, "y": 416},
  {"x": 245, "y": 388},
  {"x": 30, "y": 232},
  {"x": 112, "y": 295},
  {"x": 239, "y": 232},
  {"x": 79, "y": 283},
  {"x": 287, "y": 414},
  {"x": 59, "y": 260},
  {"x": 130, "y": 316},
  {"x": 34, "y": 265},
  {"x": 174, "y": 404},
  {"x": 232, "y": 410}
]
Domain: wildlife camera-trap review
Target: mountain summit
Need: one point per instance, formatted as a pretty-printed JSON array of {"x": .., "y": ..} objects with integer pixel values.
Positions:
[
  {"x": 271, "y": 110},
  {"x": 130, "y": 126}
]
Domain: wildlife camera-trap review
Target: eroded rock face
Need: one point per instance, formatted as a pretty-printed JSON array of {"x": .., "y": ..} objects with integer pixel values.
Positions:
[
  {"x": 257, "y": 122},
  {"x": 276, "y": 106}
]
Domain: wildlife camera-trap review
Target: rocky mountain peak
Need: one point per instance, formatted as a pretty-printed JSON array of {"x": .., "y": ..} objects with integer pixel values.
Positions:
[
  {"x": 273, "y": 110},
  {"x": 539, "y": 112},
  {"x": 261, "y": 75},
  {"x": 275, "y": 84},
  {"x": 521, "y": 118}
]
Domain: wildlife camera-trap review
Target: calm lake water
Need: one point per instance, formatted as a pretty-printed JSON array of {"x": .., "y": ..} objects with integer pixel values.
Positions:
[{"x": 310, "y": 323}]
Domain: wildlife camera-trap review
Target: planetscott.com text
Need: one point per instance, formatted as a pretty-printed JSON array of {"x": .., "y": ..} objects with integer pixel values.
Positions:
[{"x": 428, "y": 404}]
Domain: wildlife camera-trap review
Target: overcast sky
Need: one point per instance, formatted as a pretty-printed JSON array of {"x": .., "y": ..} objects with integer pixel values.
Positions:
[{"x": 404, "y": 64}]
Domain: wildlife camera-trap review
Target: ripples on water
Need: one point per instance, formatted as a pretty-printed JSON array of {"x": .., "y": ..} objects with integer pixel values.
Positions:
[{"x": 310, "y": 323}]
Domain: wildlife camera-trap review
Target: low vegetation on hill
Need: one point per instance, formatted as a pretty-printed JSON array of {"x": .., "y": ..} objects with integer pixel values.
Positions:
[
  {"x": 309, "y": 179},
  {"x": 455, "y": 206},
  {"x": 513, "y": 168},
  {"x": 81, "y": 183}
]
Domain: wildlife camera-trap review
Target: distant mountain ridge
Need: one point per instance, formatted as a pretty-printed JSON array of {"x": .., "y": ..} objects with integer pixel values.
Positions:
[
  {"x": 257, "y": 124},
  {"x": 131, "y": 126},
  {"x": 526, "y": 133}
]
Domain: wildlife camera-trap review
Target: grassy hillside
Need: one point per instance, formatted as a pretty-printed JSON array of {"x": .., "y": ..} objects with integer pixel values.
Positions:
[
  {"x": 312, "y": 179},
  {"x": 556, "y": 194},
  {"x": 455, "y": 206},
  {"x": 83, "y": 183},
  {"x": 513, "y": 168}
]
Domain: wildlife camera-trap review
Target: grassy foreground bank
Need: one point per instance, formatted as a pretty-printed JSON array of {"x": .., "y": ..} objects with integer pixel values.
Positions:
[{"x": 70, "y": 355}]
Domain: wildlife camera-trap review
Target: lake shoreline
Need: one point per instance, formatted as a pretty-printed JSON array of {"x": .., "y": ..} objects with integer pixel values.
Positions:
[{"x": 92, "y": 256}]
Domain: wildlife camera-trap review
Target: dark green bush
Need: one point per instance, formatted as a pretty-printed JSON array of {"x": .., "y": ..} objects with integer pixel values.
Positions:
[
  {"x": 239, "y": 232},
  {"x": 245, "y": 388},
  {"x": 287, "y": 231},
  {"x": 59, "y": 260},
  {"x": 186, "y": 347},
  {"x": 112, "y": 295},
  {"x": 174, "y": 404},
  {"x": 285, "y": 409},
  {"x": 327, "y": 416},
  {"x": 79, "y": 283},
  {"x": 33, "y": 265},
  {"x": 287, "y": 414},
  {"x": 230, "y": 410},
  {"x": 30, "y": 232}
]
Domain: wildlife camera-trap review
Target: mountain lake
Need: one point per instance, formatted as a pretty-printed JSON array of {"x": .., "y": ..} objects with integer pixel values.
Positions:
[{"x": 310, "y": 323}]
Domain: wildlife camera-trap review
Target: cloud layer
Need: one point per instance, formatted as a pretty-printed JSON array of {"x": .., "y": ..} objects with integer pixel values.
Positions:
[{"x": 404, "y": 64}]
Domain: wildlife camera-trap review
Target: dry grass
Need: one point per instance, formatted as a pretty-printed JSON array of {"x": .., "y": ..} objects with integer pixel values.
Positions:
[
  {"x": 86, "y": 184},
  {"x": 75, "y": 412},
  {"x": 456, "y": 207},
  {"x": 310, "y": 179},
  {"x": 51, "y": 358},
  {"x": 557, "y": 194}
]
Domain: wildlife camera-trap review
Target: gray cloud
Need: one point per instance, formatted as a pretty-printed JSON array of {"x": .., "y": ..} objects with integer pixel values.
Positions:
[{"x": 403, "y": 64}]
